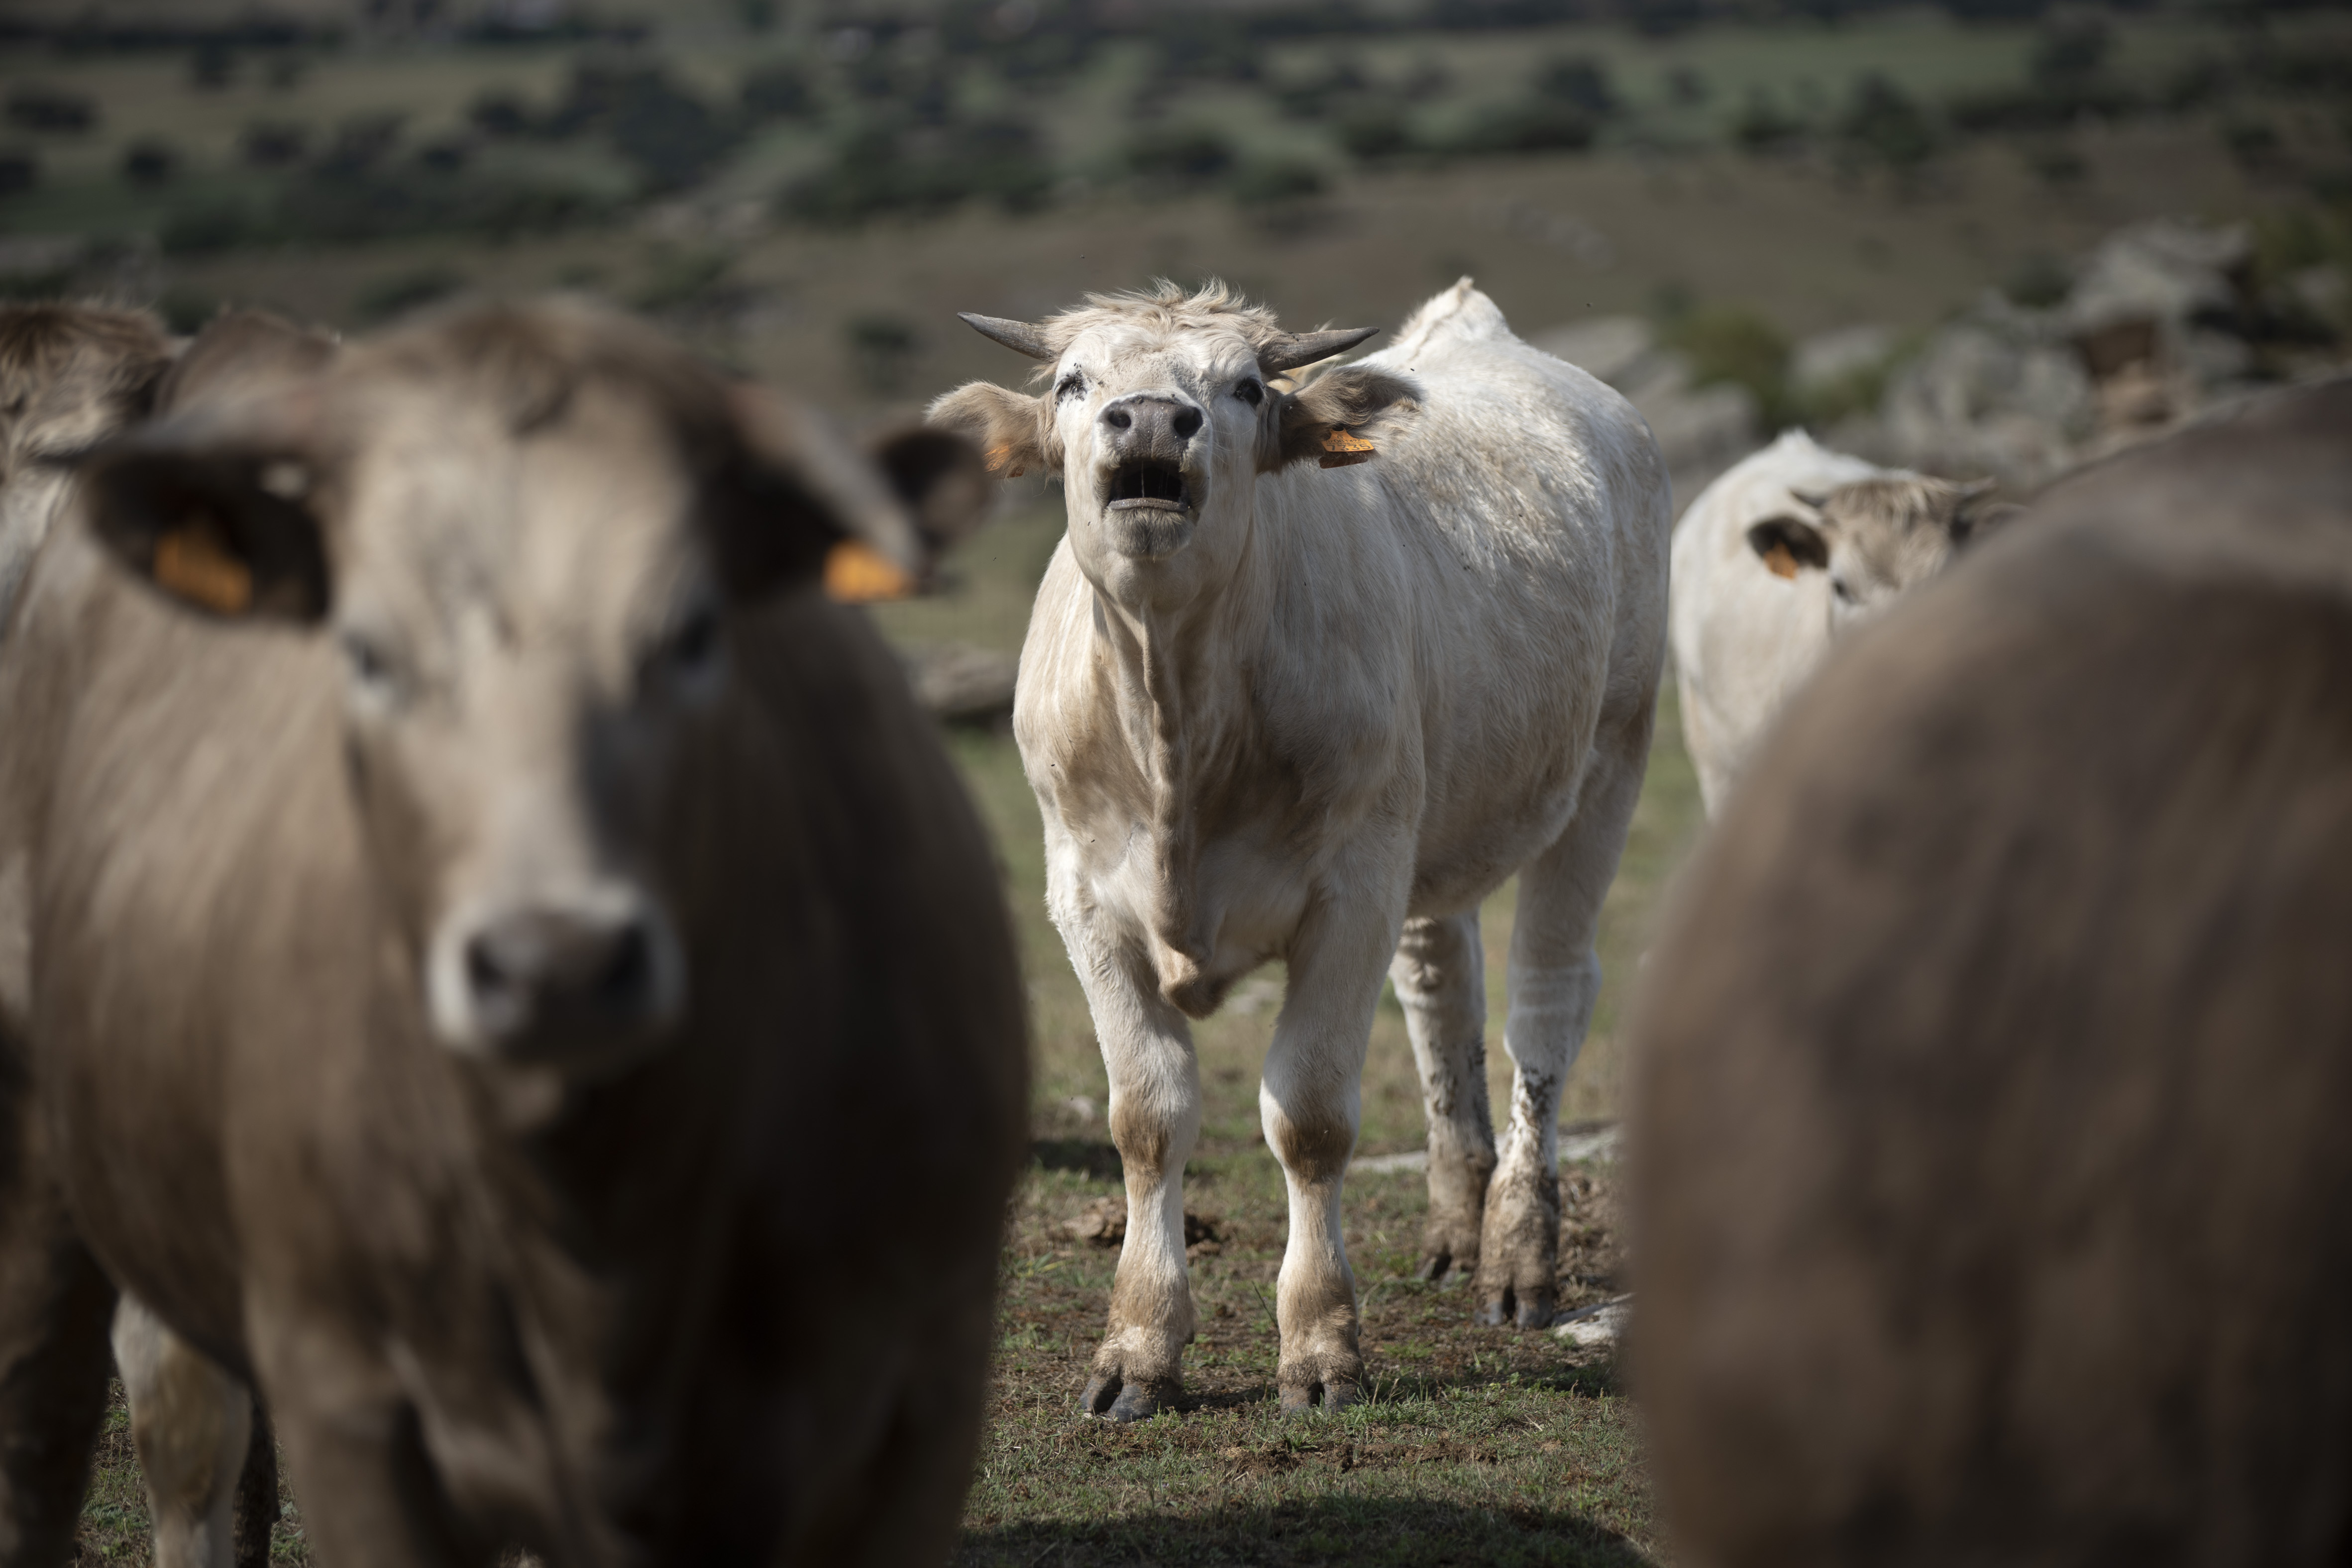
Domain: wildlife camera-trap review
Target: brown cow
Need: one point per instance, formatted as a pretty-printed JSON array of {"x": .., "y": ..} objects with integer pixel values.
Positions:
[
  {"x": 1994, "y": 1201},
  {"x": 494, "y": 928}
]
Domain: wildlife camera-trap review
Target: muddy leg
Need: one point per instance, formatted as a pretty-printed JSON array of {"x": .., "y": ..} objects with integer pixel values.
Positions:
[
  {"x": 191, "y": 1423},
  {"x": 1554, "y": 977},
  {"x": 1440, "y": 973}
]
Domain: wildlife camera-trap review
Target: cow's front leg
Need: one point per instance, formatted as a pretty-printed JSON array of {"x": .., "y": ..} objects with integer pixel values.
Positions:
[
  {"x": 1311, "y": 1102},
  {"x": 1155, "y": 1119},
  {"x": 1440, "y": 973},
  {"x": 191, "y": 1423}
]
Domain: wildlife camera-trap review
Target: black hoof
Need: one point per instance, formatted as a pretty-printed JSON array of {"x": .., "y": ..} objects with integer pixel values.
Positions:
[
  {"x": 1336, "y": 1397},
  {"x": 1135, "y": 1403},
  {"x": 1098, "y": 1396},
  {"x": 1435, "y": 1265},
  {"x": 1538, "y": 1311},
  {"x": 1339, "y": 1396},
  {"x": 1495, "y": 1314},
  {"x": 1298, "y": 1401}
]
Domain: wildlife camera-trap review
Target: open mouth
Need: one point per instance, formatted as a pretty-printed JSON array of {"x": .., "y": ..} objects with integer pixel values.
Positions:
[{"x": 1144, "y": 483}]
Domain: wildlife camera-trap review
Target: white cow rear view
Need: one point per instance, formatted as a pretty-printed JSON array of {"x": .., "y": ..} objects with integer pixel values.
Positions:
[{"x": 1279, "y": 708}]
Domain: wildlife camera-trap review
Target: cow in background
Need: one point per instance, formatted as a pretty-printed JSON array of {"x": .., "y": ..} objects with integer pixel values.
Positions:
[
  {"x": 1311, "y": 674},
  {"x": 472, "y": 884},
  {"x": 1789, "y": 547},
  {"x": 1992, "y": 1198}
]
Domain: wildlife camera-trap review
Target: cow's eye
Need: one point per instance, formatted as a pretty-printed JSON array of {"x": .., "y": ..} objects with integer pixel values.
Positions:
[
  {"x": 1838, "y": 586},
  {"x": 1250, "y": 393},
  {"x": 1071, "y": 386}
]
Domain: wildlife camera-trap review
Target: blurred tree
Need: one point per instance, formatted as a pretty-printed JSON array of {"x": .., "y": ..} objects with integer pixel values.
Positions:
[
  {"x": 212, "y": 67},
  {"x": 1277, "y": 182},
  {"x": 777, "y": 90},
  {"x": 1579, "y": 80},
  {"x": 150, "y": 161},
  {"x": 499, "y": 112},
  {"x": 1883, "y": 123},
  {"x": 883, "y": 348},
  {"x": 273, "y": 144},
  {"x": 1191, "y": 154},
  {"x": 1762, "y": 126},
  {"x": 1374, "y": 129},
  {"x": 20, "y": 170},
  {"x": 1530, "y": 125},
  {"x": 36, "y": 106}
]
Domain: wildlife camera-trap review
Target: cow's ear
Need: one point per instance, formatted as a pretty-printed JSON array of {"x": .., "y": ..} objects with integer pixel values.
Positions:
[
  {"x": 1326, "y": 419},
  {"x": 1787, "y": 545},
  {"x": 1975, "y": 516},
  {"x": 217, "y": 511},
  {"x": 940, "y": 480},
  {"x": 794, "y": 491},
  {"x": 1014, "y": 430}
]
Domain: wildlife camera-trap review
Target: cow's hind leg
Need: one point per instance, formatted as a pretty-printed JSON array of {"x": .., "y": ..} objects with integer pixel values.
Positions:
[
  {"x": 1440, "y": 973},
  {"x": 1555, "y": 976},
  {"x": 193, "y": 1425}
]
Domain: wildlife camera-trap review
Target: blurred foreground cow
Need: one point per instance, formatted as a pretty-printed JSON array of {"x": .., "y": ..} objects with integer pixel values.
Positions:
[
  {"x": 1776, "y": 558},
  {"x": 483, "y": 910},
  {"x": 1272, "y": 711},
  {"x": 1994, "y": 1199}
]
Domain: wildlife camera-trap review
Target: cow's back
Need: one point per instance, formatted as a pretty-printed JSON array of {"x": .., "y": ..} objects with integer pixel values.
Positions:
[{"x": 1993, "y": 1199}]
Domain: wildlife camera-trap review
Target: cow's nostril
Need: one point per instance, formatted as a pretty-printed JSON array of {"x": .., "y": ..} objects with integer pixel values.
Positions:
[
  {"x": 628, "y": 976},
  {"x": 1188, "y": 423},
  {"x": 542, "y": 969},
  {"x": 1117, "y": 418}
]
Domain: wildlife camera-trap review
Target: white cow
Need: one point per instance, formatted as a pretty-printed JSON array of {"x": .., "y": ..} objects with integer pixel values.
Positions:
[
  {"x": 1772, "y": 560},
  {"x": 1279, "y": 708}
]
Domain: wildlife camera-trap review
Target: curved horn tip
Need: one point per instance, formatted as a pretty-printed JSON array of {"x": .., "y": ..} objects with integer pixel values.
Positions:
[
  {"x": 1018, "y": 336},
  {"x": 1306, "y": 348}
]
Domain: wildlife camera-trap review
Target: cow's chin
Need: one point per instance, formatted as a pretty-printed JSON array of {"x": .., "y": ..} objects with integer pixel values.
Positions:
[{"x": 1148, "y": 530}]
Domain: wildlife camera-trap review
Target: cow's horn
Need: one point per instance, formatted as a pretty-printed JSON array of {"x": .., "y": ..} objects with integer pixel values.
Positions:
[
  {"x": 1018, "y": 336},
  {"x": 1304, "y": 348}
]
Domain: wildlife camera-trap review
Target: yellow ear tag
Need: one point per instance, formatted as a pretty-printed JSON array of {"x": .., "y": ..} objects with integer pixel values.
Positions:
[
  {"x": 855, "y": 573},
  {"x": 1000, "y": 461},
  {"x": 193, "y": 562},
  {"x": 1341, "y": 449},
  {"x": 1780, "y": 561}
]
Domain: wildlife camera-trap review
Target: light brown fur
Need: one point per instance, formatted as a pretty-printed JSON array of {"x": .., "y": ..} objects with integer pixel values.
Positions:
[{"x": 556, "y": 1295}]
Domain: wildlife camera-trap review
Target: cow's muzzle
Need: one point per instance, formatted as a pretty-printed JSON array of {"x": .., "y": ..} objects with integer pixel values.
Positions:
[{"x": 590, "y": 982}]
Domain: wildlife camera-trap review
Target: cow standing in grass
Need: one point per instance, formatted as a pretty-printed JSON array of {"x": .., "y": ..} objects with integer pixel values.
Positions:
[
  {"x": 1786, "y": 549},
  {"x": 1279, "y": 703},
  {"x": 1993, "y": 1198},
  {"x": 470, "y": 904}
]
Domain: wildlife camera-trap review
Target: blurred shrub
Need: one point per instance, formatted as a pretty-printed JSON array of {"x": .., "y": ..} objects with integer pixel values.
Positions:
[
  {"x": 346, "y": 209},
  {"x": 20, "y": 170},
  {"x": 499, "y": 112},
  {"x": 670, "y": 135},
  {"x": 2037, "y": 281},
  {"x": 1687, "y": 87},
  {"x": 1529, "y": 125},
  {"x": 208, "y": 226},
  {"x": 212, "y": 67},
  {"x": 1312, "y": 97},
  {"x": 1202, "y": 42},
  {"x": 1181, "y": 155},
  {"x": 879, "y": 169},
  {"x": 883, "y": 348},
  {"x": 1375, "y": 130},
  {"x": 2070, "y": 48},
  {"x": 361, "y": 143},
  {"x": 36, "y": 106},
  {"x": 778, "y": 90},
  {"x": 445, "y": 154},
  {"x": 285, "y": 71},
  {"x": 1730, "y": 343},
  {"x": 273, "y": 144},
  {"x": 681, "y": 277},
  {"x": 185, "y": 310},
  {"x": 1761, "y": 126},
  {"x": 1884, "y": 124},
  {"x": 1277, "y": 182},
  {"x": 402, "y": 292},
  {"x": 2055, "y": 163},
  {"x": 150, "y": 161},
  {"x": 2252, "y": 142},
  {"x": 1579, "y": 81}
]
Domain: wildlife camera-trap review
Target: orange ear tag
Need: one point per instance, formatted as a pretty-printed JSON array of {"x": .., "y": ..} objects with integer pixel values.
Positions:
[
  {"x": 1341, "y": 449},
  {"x": 856, "y": 573},
  {"x": 193, "y": 562},
  {"x": 1780, "y": 561}
]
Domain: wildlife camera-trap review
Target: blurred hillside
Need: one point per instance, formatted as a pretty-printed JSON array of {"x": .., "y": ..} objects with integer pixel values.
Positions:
[{"x": 810, "y": 190}]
